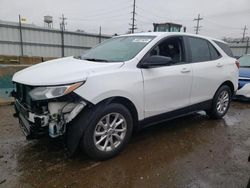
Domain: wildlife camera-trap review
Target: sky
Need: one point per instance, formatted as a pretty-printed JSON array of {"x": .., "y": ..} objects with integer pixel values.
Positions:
[{"x": 221, "y": 18}]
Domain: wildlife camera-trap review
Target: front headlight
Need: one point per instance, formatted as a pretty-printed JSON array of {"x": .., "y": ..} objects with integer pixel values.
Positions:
[{"x": 42, "y": 93}]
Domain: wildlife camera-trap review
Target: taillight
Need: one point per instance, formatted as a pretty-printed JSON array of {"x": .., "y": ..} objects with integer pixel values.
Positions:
[{"x": 237, "y": 64}]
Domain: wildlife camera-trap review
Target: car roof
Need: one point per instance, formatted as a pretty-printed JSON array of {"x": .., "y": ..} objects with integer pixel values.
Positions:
[{"x": 165, "y": 34}]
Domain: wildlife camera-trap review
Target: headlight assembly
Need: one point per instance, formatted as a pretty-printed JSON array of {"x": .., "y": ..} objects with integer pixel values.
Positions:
[{"x": 43, "y": 93}]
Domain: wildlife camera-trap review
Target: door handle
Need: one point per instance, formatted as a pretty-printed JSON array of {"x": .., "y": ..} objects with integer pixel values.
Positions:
[
  {"x": 219, "y": 65},
  {"x": 185, "y": 70}
]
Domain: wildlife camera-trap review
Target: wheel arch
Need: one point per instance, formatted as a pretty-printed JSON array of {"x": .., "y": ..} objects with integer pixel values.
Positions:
[
  {"x": 212, "y": 112},
  {"x": 128, "y": 104},
  {"x": 76, "y": 129},
  {"x": 229, "y": 84}
]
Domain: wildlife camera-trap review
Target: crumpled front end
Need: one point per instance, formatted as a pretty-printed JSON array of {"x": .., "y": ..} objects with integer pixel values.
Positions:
[{"x": 45, "y": 117}]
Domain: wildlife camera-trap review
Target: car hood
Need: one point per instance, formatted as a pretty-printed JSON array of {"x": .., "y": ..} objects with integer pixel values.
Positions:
[
  {"x": 61, "y": 71},
  {"x": 244, "y": 72}
]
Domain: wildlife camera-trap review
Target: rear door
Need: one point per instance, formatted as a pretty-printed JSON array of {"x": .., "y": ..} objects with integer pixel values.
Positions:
[
  {"x": 208, "y": 69},
  {"x": 167, "y": 88}
]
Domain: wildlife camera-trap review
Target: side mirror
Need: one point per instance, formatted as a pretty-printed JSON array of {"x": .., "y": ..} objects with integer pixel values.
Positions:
[{"x": 156, "y": 61}]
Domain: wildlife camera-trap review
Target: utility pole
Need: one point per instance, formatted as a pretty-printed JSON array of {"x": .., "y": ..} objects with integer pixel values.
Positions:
[
  {"x": 133, "y": 28},
  {"x": 21, "y": 35},
  {"x": 244, "y": 33},
  {"x": 197, "y": 27},
  {"x": 62, "y": 26}
]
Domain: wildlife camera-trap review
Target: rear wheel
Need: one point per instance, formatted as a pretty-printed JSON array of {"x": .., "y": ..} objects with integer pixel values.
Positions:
[
  {"x": 221, "y": 102},
  {"x": 108, "y": 133}
]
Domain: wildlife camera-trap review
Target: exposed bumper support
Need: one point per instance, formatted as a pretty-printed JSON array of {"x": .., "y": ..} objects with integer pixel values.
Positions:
[
  {"x": 62, "y": 113},
  {"x": 52, "y": 121}
]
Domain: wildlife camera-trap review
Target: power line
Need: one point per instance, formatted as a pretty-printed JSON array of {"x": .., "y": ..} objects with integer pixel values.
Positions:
[
  {"x": 144, "y": 22},
  {"x": 229, "y": 13},
  {"x": 149, "y": 12},
  {"x": 133, "y": 28},
  {"x": 244, "y": 33},
  {"x": 107, "y": 13},
  {"x": 158, "y": 17},
  {"x": 117, "y": 16},
  {"x": 209, "y": 21},
  {"x": 197, "y": 27}
]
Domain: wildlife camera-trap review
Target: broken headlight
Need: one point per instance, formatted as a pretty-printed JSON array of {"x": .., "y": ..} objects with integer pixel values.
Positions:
[{"x": 42, "y": 93}]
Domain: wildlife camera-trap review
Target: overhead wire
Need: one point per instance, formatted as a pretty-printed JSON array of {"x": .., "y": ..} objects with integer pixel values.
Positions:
[
  {"x": 146, "y": 17},
  {"x": 106, "y": 13}
]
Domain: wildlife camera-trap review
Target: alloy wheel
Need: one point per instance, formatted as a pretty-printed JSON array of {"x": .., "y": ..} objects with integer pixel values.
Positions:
[
  {"x": 110, "y": 131},
  {"x": 222, "y": 102}
]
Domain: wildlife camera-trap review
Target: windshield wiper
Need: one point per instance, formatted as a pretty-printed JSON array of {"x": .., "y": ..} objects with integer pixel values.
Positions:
[{"x": 96, "y": 60}]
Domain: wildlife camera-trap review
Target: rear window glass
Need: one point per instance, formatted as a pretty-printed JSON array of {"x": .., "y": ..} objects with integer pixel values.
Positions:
[
  {"x": 225, "y": 48},
  {"x": 199, "y": 50}
]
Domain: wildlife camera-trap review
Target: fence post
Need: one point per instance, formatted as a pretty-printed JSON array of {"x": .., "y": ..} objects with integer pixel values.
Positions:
[
  {"x": 21, "y": 36},
  {"x": 247, "y": 45},
  {"x": 62, "y": 25},
  {"x": 100, "y": 34},
  {"x": 62, "y": 33}
]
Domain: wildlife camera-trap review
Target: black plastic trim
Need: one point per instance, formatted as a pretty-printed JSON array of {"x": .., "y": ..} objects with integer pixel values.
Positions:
[{"x": 206, "y": 105}]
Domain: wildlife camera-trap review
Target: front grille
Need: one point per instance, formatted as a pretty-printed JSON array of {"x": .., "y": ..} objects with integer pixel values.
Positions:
[{"x": 22, "y": 94}]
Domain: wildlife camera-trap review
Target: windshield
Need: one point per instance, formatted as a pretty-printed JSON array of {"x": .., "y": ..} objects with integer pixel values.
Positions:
[
  {"x": 118, "y": 49},
  {"x": 245, "y": 61}
]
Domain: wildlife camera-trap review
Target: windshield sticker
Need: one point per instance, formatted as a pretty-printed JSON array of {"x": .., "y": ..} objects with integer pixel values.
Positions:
[{"x": 142, "y": 40}]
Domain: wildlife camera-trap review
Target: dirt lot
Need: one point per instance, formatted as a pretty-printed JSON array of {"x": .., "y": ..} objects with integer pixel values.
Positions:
[{"x": 188, "y": 152}]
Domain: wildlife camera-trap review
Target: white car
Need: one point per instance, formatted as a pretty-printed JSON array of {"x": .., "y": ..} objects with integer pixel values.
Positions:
[{"x": 128, "y": 82}]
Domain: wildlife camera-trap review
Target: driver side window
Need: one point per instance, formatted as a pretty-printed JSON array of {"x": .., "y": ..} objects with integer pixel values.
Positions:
[{"x": 171, "y": 47}]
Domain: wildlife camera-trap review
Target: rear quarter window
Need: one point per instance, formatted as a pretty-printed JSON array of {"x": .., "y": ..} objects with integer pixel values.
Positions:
[
  {"x": 213, "y": 52},
  {"x": 225, "y": 48}
]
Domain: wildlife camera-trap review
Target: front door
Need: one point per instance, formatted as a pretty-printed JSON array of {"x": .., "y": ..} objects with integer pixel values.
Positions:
[{"x": 167, "y": 88}]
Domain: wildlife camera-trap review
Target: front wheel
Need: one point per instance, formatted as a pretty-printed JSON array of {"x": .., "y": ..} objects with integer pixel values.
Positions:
[
  {"x": 221, "y": 102},
  {"x": 108, "y": 133}
]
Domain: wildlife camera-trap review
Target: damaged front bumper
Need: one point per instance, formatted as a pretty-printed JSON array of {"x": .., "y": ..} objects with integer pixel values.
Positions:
[{"x": 52, "y": 121}]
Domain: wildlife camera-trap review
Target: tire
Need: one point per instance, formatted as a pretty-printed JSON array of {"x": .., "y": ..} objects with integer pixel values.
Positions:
[
  {"x": 108, "y": 132},
  {"x": 221, "y": 102}
]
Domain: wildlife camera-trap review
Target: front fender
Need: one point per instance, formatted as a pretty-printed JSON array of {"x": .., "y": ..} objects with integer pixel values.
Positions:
[{"x": 77, "y": 126}]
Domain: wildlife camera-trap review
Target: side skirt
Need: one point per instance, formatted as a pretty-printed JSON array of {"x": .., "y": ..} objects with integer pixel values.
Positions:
[{"x": 175, "y": 114}]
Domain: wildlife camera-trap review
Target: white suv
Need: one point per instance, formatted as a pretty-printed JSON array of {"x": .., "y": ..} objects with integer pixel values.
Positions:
[{"x": 128, "y": 82}]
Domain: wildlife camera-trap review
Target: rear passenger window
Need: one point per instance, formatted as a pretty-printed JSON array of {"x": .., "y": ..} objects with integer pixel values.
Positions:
[
  {"x": 225, "y": 48},
  {"x": 199, "y": 49},
  {"x": 213, "y": 52}
]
